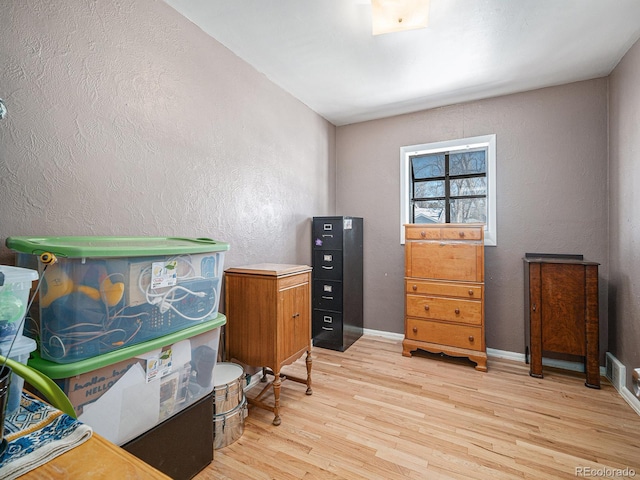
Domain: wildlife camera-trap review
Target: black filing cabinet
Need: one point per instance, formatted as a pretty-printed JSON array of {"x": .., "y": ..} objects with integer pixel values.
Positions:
[{"x": 337, "y": 281}]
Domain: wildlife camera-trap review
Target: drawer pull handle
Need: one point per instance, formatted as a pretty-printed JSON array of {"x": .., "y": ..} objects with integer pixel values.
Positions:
[
  {"x": 326, "y": 235},
  {"x": 415, "y": 287},
  {"x": 327, "y": 298},
  {"x": 423, "y": 234},
  {"x": 415, "y": 329},
  {"x": 426, "y": 307},
  {"x": 471, "y": 292},
  {"x": 327, "y": 268},
  {"x": 471, "y": 338},
  {"x": 461, "y": 234},
  {"x": 327, "y": 328},
  {"x": 533, "y": 307},
  {"x": 457, "y": 310},
  {"x": 295, "y": 315}
]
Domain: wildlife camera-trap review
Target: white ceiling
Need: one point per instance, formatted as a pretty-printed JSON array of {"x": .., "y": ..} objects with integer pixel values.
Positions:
[{"x": 323, "y": 53}]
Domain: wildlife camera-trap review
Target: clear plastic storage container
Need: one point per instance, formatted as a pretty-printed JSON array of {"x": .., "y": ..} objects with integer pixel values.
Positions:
[
  {"x": 15, "y": 285},
  {"x": 124, "y": 393},
  {"x": 106, "y": 293},
  {"x": 18, "y": 352}
]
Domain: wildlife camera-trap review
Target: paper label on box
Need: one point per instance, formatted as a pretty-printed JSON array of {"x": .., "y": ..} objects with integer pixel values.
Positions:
[
  {"x": 164, "y": 274},
  {"x": 159, "y": 366}
]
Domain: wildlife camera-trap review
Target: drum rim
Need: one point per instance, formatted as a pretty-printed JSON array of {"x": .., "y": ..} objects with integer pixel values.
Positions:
[{"x": 223, "y": 367}]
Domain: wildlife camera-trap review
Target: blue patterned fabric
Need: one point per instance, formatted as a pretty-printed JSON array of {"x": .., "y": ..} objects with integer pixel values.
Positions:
[{"x": 36, "y": 433}]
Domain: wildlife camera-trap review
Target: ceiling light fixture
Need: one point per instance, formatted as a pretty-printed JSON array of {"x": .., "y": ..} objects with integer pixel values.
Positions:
[{"x": 398, "y": 15}]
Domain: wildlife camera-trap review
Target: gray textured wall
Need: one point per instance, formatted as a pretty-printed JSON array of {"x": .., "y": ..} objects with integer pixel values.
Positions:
[
  {"x": 624, "y": 225},
  {"x": 126, "y": 119},
  {"x": 551, "y": 194}
]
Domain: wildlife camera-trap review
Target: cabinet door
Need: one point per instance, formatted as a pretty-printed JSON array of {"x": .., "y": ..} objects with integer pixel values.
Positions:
[
  {"x": 294, "y": 323},
  {"x": 450, "y": 261}
]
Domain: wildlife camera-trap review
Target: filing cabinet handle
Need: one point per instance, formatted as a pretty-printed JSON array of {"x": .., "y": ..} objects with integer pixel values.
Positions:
[
  {"x": 327, "y": 328},
  {"x": 457, "y": 310},
  {"x": 327, "y": 268},
  {"x": 426, "y": 307},
  {"x": 324, "y": 297},
  {"x": 327, "y": 235},
  {"x": 470, "y": 292},
  {"x": 414, "y": 287},
  {"x": 471, "y": 339}
]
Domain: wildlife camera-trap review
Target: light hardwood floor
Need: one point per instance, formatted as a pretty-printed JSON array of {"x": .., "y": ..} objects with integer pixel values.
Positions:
[{"x": 375, "y": 414}]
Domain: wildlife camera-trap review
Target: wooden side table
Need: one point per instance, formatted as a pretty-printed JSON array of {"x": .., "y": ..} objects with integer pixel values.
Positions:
[
  {"x": 561, "y": 311},
  {"x": 268, "y": 309}
]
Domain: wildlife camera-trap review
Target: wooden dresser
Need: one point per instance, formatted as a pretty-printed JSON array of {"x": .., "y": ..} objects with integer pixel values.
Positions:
[
  {"x": 268, "y": 309},
  {"x": 561, "y": 311},
  {"x": 444, "y": 291}
]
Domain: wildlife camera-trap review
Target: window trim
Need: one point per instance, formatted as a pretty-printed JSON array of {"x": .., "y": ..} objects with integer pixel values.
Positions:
[{"x": 488, "y": 141}]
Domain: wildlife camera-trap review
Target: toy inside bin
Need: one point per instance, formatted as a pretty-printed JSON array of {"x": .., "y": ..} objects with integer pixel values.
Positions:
[
  {"x": 15, "y": 285},
  {"x": 106, "y": 293}
]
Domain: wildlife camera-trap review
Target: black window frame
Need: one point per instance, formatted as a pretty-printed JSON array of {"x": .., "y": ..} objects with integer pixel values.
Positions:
[{"x": 447, "y": 178}]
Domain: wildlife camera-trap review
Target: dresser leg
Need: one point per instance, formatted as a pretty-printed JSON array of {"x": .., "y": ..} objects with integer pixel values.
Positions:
[
  {"x": 277, "y": 383},
  {"x": 309, "y": 363}
]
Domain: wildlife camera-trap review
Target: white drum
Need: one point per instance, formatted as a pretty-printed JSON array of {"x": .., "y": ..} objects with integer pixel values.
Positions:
[{"x": 229, "y": 381}]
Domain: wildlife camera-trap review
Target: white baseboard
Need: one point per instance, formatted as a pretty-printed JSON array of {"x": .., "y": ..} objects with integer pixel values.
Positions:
[{"x": 625, "y": 393}]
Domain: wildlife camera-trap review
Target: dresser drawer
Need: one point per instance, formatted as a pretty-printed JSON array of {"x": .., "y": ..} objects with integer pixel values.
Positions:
[
  {"x": 461, "y": 336},
  {"x": 445, "y": 261},
  {"x": 462, "y": 233},
  {"x": 449, "y": 309},
  {"x": 445, "y": 289}
]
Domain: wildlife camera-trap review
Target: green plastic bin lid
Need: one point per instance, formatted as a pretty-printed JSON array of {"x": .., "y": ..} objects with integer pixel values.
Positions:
[
  {"x": 88, "y": 247},
  {"x": 66, "y": 370}
]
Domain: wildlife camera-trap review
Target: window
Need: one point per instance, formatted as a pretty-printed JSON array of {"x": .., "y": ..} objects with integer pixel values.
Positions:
[{"x": 450, "y": 182}]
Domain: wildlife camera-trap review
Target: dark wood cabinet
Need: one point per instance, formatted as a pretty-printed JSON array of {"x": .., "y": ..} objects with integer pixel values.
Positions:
[
  {"x": 561, "y": 311},
  {"x": 337, "y": 281}
]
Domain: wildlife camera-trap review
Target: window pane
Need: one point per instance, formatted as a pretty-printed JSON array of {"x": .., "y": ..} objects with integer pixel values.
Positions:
[
  {"x": 469, "y": 186},
  {"x": 431, "y": 211},
  {"x": 466, "y": 163},
  {"x": 427, "y": 166},
  {"x": 430, "y": 189},
  {"x": 469, "y": 210}
]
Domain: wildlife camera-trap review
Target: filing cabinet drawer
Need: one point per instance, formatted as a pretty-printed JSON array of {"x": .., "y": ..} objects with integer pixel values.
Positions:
[
  {"x": 449, "y": 309},
  {"x": 327, "y": 234},
  {"x": 327, "y": 264},
  {"x": 327, "y": 327},
  {"x": 444, "y": 333},
  {"x": 327, "y": 295}
]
